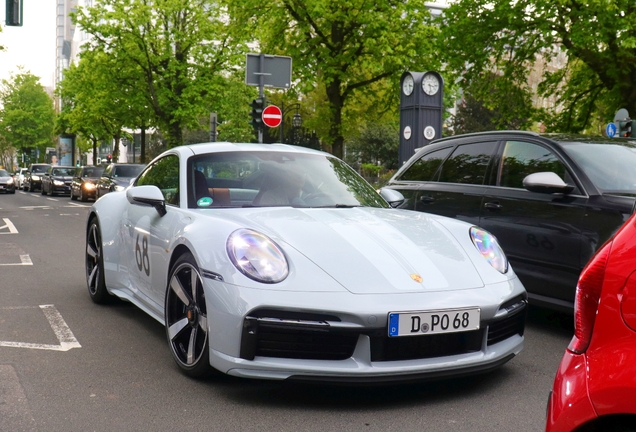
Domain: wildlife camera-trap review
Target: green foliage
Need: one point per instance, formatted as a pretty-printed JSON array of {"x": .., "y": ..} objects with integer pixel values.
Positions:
[
  {"x": 343, "y": 47},
  {"x": 176, "y": 48},
  {"x": 377, "y": 144},
  {"x": 27, "y": 117},
  {"x": 510, "y": 37},
  {"x": 492, "y": 102}
]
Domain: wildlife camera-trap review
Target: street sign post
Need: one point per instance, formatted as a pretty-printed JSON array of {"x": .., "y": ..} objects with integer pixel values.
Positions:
[
  {"x": 272, "y": 116},
  {"x": 274, "y": 70}
]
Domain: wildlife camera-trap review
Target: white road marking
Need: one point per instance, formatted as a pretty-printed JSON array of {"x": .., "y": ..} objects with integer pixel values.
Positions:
[
  {"x": 76, "y": 205},
  {"x": 69, "y": 214},
  {"x": 9, "y": 226},
  {"x": 36, "y": 207},
  {"x": 59, "y": 326},
  {"x": 52, "y": 199}
]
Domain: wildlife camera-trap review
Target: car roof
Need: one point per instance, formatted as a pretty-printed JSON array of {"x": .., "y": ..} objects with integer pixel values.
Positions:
[
  {"x": 556, "y": 137},
  {"x": 203, "y": 148}
]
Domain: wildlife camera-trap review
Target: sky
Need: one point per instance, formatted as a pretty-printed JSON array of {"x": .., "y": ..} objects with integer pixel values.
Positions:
[{"x": 33, "y": 44}]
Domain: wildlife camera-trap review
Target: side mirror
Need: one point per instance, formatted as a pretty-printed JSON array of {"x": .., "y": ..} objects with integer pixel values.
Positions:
[
  {"x": 546, "y": 182},
  {"x": 147, "y": 196},
  {"x": 393, "y": 197}
]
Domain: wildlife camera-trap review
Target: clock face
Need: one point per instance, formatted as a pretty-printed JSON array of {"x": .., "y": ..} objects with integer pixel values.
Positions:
[
  {"x": 407, "y": 85},
  {"x": 430, "y": 84}
]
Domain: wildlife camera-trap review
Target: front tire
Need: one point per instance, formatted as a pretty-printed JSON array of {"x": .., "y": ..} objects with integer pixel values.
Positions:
[
  {"x": 186, "y": 318},
  {"x": 95, "y": 265}
]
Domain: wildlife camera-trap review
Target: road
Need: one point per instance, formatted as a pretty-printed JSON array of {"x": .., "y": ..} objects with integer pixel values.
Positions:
[{"x": 67, "y": 364}]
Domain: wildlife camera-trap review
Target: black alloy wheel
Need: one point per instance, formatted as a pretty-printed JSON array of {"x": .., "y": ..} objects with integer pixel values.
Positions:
[
  {"x": 186, "y": 318},
  {"x": 95, "y": 264}
]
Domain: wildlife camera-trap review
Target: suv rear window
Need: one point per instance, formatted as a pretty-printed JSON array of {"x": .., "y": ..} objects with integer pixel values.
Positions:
[{"x": 468, "y": 163}]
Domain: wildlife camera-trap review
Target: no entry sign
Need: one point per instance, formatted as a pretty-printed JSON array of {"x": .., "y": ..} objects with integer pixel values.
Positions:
[{"x": 272, "y": 116}]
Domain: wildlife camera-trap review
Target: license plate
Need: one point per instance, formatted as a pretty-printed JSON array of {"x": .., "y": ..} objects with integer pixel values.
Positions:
[{"x": 433, "y": 322}]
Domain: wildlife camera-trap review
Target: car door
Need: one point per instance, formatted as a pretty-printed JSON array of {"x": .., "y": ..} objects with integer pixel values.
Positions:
[
  {"x": 148, "y": 235},
  {"x": 539, "y": 232}
]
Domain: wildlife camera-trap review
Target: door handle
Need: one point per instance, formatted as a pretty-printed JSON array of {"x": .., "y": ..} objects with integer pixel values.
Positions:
[
  {"x": 427, "y": 199},
  {"x": 493, "y": 206}
]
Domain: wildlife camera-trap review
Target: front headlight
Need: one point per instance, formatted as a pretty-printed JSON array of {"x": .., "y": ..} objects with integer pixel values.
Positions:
[
  {"x": 36, "y": 178},
  {"x": 256, "y": 256},
  {"x": 89, "y": 186},
  {"x": 489, "y": 248},
  {"x": 58, "y": 183},
  {"x": 10, "y": 181},
  {"x": 119, "y": 188}
]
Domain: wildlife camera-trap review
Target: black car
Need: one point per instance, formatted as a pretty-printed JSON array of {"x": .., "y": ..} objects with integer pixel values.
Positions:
[
  {"x": 33, "y": 177},
  {"x": 550, "y": 200},
  {"x": 84, "y": 183},
  {"x": 117, "y": 177},
  {"x": 57, "y": 180},
  {"x": 7, "y": 182}
]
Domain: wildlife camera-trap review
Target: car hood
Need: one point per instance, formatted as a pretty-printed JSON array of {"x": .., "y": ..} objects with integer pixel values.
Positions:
[
  {"x": 371, "y": 251},
  {"x": 5, "y": 178}
]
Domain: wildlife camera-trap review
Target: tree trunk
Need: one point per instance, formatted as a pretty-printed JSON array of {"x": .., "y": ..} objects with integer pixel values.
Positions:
[
  {"x": 142, "y": 157},
  {"x": 94, "y": 151},
  {"x": 336, "y": 102}
]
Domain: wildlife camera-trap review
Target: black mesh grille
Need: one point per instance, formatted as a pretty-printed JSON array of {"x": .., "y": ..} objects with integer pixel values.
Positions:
[
  {"x": 384, "y": 348},
  {"x": 304, "y": 344},
  {"x": 506, "y": 327}
]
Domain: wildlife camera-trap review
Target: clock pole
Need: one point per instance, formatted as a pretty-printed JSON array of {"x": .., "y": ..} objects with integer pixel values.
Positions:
[{"x": 421, "y": 105}]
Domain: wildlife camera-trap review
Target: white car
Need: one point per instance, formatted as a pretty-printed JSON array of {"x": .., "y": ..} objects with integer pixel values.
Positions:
[{"x": 277, "y": 262}]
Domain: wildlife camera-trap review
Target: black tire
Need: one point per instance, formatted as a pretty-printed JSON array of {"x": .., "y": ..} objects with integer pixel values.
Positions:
[
  {"x": 42, "y": 190},
  {"x": 73, "y": 197},
  {"x": 82, "y": 198},
  {"x": 95, "y": 265},
  {"x": 186, "y": 318}
]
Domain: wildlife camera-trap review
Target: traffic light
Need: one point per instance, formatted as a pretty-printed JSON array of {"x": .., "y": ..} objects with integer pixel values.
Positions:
[
  {"x": 109, "y": 158},
  {"x": 623, "y": 128},
  {"x": 258, "y": 105},
  {"x": 14, "y": 13}
]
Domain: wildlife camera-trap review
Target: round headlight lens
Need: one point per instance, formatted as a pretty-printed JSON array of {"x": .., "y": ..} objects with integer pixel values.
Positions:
[
  {"x": 489, "y": 248},
  {"x": 35, "y": 177},
  {"x": 256, "y": 256},
  {"x": 119, "y": 188},
  {"x": 58, "y": 183},
  {"x": 88, "y": 186}
]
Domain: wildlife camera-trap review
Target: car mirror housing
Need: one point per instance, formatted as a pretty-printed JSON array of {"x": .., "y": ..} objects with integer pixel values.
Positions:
[
  {"x": 546, "y": 182},
  {"x": 393, "y": 197},
  {"x": 147, "y": 196}
]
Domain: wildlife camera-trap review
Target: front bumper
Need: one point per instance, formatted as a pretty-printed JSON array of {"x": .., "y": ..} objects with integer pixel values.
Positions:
[
  {"x": 342, "y": 337},
  {"x": 7, "y": 187}
]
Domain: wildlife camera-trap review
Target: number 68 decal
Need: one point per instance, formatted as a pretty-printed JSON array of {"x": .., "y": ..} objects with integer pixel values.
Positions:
[{"x": 141, "y": 254}]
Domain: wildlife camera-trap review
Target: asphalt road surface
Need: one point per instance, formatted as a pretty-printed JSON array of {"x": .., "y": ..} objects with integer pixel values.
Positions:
[{"x": 67, "y": 364}]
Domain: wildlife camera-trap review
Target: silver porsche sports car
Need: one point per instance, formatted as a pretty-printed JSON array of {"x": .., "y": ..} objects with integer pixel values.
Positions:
[{"x": 277, "y": 262}]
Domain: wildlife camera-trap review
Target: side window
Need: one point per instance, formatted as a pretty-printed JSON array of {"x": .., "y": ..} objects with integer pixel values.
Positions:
[
  {"x": 468, "y": 163},
  {"x": 165, "y": 175},
  {"x": 426, "y": 167},
  {"x": 520, "y": 159}
]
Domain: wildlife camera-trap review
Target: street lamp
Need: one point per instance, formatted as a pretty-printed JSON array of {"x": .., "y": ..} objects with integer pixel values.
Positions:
[{"x": 297, "y": 120}]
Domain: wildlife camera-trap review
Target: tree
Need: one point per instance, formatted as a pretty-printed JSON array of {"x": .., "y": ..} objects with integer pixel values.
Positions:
[
  {"x": 343, "y": 47},
  {"x": 27, "y": 117},
  {"x": 484, "y": 108},
  {"x": 178, "y": 46},
  {"x": 599, "y": 39}
]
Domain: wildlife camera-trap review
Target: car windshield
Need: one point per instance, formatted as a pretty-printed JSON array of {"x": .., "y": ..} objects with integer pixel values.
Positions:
[
  {"x": 609, "y": 166},
  {"x": 3, "y": 173},
  {"x": 92, "y": 172},
  {"x": 127, "y": 170},
  {"x": 62, "y": 171},
  {"x": 40, "y": 169},
  {"x": 265, "y": 179}
]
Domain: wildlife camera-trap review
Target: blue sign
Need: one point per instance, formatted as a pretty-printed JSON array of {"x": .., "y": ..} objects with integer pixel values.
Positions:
[{"x": 610, "y": 130}]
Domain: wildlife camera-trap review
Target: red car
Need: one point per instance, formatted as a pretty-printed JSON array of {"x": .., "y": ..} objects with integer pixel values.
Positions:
[{"x": 595, "y": 386}]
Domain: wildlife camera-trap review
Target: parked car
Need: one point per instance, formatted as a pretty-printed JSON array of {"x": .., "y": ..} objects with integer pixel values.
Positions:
[
  {"x": 57, "y": 180},
  {"x": 85, "y": 181},
  {"x": 595, "y": 385},
  {"x": 550, "y": 200},
  {"x": 33, "y": 177},
  {"x": 7, "y": 184},
  {"x": 259, "y": 275},
  {"x": 18, "y": 177},
  {"x": 117, "y": 177}
]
